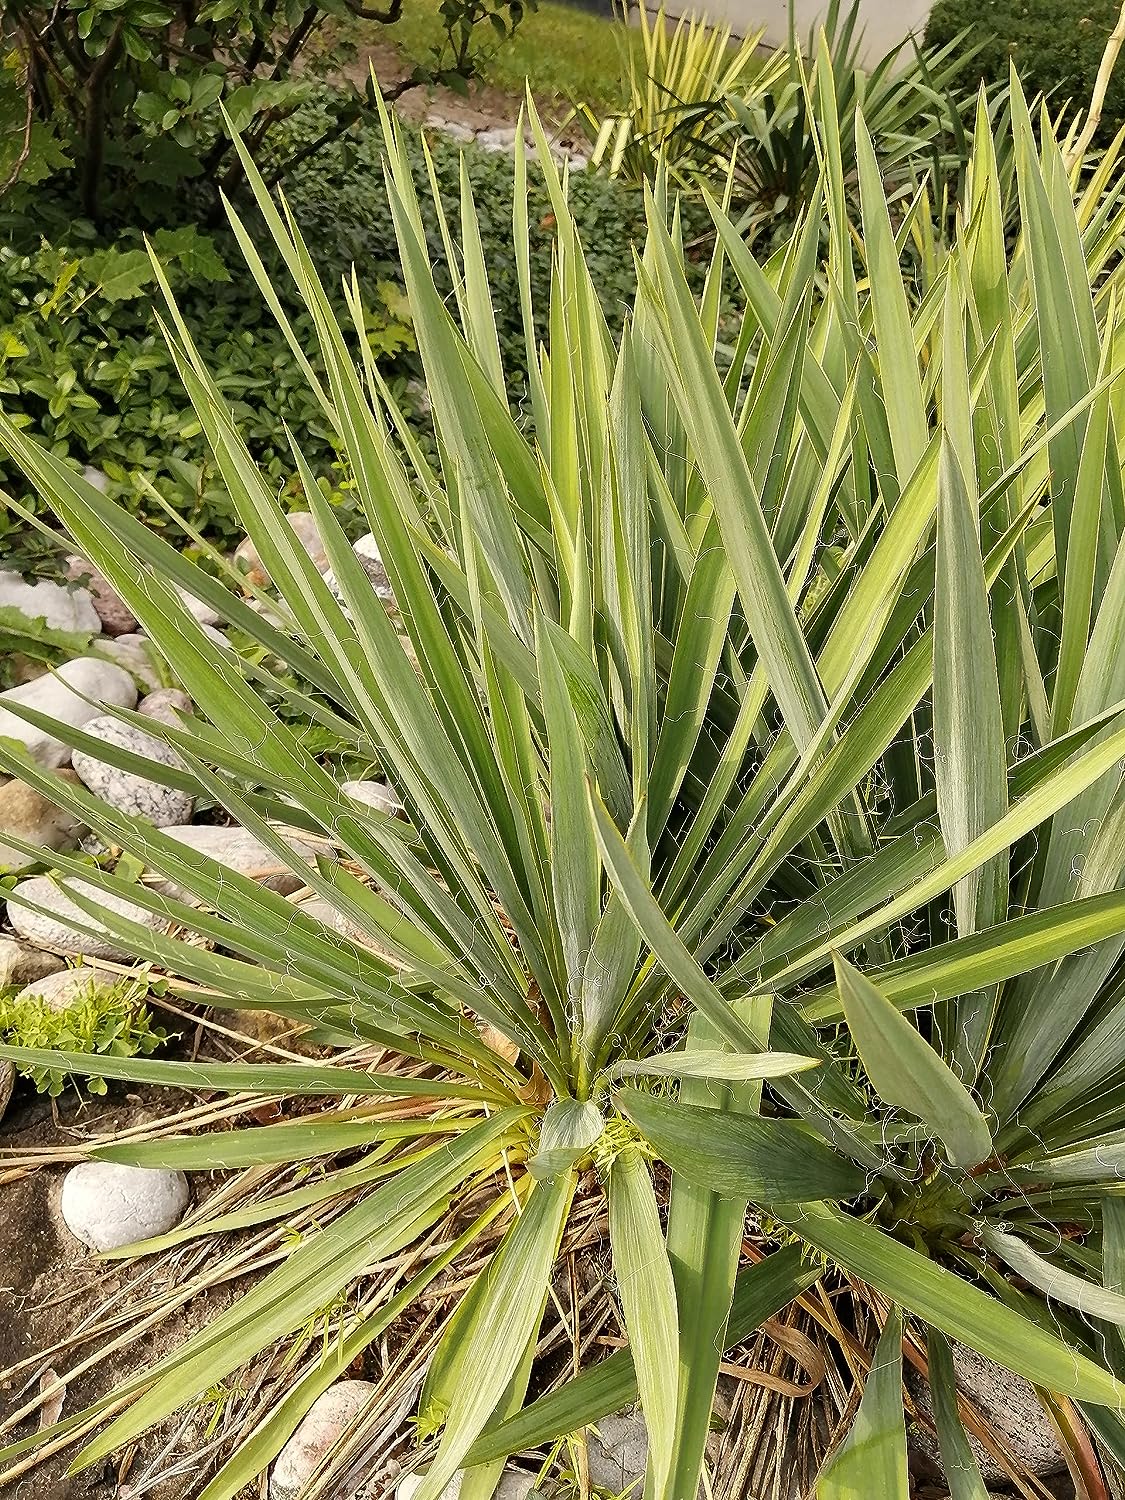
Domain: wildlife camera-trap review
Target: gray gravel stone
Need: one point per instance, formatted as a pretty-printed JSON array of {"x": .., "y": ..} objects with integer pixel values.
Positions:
[
  {"x": 27, "y": 814},
  {"x": 22, "y": 965},
  {"x": 116, "y": 616},
  {"x": 59, "y": 607},
  {"x": 618, "y": 1453},
  {"x": 166, "y": 705},
  {"x": 60, "y": 991},
  {"x": 304, "y": 526},
  {"x": 376, "y": 794},
  {"x": 326, "y": 1419},
  {"x": 367, "y": 551},
  {"x": 58, "y": 696},
  {"x": 136, "y": 654},
  {"x": 498, "y": 138},
  {"x": 216, "y": 636},
  {"x": 58, "y": 930},
  {"x": 106, "y": 1205},
  {"x": 163, "y": 806},
  {"x": 452, "y": 128},
  {"x": 197, "y": 608},
  {"x": 241, "y": 851},
  {"x": 1010, "y": 1405}
]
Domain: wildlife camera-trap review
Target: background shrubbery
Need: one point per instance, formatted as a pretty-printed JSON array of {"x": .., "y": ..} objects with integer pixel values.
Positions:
[
  {"x": 84, "y": 367},
  {"x": 1056, "y": 44}
]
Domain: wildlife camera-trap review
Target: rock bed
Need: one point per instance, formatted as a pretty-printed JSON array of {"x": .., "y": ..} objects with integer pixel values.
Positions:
[{"x": 122, "y": 669}]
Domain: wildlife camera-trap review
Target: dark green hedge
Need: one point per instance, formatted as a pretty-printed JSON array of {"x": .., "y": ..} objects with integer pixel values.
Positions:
[{"x": 1057, "y": 46}]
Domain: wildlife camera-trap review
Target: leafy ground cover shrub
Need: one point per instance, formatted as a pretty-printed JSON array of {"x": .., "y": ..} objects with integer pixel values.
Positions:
[
  {"x": 1057, "y": 46},
  {"x": 755, "y": 725},
  {"x": 83, "y": 365},
  {"x": 104, "y": 1020}
]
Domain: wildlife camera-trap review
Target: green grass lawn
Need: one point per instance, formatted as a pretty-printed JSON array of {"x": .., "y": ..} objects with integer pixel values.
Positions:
[{"x": 567, "y": 53}]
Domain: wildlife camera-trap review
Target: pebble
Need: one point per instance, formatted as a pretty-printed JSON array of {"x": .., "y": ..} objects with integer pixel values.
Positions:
[
  {"x": 324, "y": 912},
  {"x": 367, "y": 551},
  {"x": 107, "y": 1205},
  {"x": 22, "y": 965},
  {"x": 7, "y": 1084},
  {"x": 58, "y": 930},
  {"x": 163, "y": 806},
  {"x": 197, "y": 608},
  {"x": 59, "y": 607},
  {"x": 452, "y": 128},
  {"x": 304, "y": 525},
  {"x": 240, "y": 851},
  {"x": 166, "y": 705},
  {"x": 101, "y": 681},
  {"x": 60, "y": 991},
  {"x": 376, "y": 794},
  {"x": 618, "y": 1453},
  {"x": 1008, "y": 1402},
  {"x": 31, "y": 816},
  {"x": 95, "y": 477},
  {"x": 116, "y": 616},
  {"x": 514, "y": 1484},
  {"x": 216, "y": 637},
  {"x": 499, "y": 138},
  {"x": 326, "y": 1419},
  {"x": 136, "y": 654}
]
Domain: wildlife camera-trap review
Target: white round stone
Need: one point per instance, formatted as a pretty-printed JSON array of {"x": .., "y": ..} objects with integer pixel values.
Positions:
[
  {"x": 61, "y": 990},
  {"x": 136, "y": 654},
  {"x": 304, "y": 526},
  {"x": 106, "y": 1205},
  {"x": 239, "y": 850},
  {"x": 215, "y": 636},
  {"x": 376, "y": 794},
  {"x": 197, "y": 608},
  {"x": 101, "y": 681},
  {"x": 162, "y": 806},
  {"x": 166, "y": 705},
  {"x": 28, "y": 815},
  {"x": 59, "y": 607},
  {"x": 59, "y": 930},
  {"x": 22, "y": 965},
  {"x": 327, "y": 1418}
]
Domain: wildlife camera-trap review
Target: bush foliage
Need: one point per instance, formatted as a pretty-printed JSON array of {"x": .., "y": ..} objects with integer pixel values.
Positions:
[
  {"x": 84, "y": 368},
  {"x": 120, "y": 98},
  {"x": 1057, "y": 46}
]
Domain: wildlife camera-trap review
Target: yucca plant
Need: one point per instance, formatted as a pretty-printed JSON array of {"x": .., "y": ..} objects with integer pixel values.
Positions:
[
  {"x": 670, "y": 93},
  {"x": 755, "y": 719},
  {"x": 755, "y": 122}
]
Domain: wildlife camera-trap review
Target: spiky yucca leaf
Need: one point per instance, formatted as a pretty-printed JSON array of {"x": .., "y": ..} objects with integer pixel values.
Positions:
[{"x": 670, "y": 663}]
